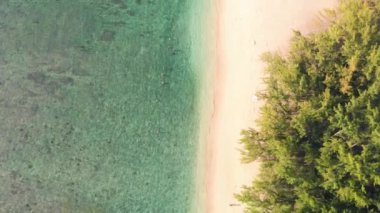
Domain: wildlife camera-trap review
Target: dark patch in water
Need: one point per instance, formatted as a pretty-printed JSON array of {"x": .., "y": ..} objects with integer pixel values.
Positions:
[
  {"x": 138, "y": 2},
  {"x": 37, "y": 77},
  {"x": 28, "y": 207},
  {"x": 84, "y": 48},
  {"x": 108, "y": 35},
  {"x": 67, "y": 80},
  {"x": 14, "y": 175},
  {"x": 116, "y": 23},
  {"x": 80, "y": 72},
  {"x": 34, "y": 109},
  {"x": 52, "y": 87},
  {"x": 131, "y": 13},
  {"x": 30, "y": 93},
  {"x": 3, "y": 61}
]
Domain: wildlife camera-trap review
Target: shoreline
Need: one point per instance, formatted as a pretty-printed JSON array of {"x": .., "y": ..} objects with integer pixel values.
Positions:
[
  {"x": 203, "y": 32},
  {"x": 244, "y": 30}
]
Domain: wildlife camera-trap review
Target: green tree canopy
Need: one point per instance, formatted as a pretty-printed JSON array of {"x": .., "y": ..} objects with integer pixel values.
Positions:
[{"x": 319, "y": 133}]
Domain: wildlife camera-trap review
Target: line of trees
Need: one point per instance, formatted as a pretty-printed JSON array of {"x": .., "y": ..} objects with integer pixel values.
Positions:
[{"x": 319, "y": 134}]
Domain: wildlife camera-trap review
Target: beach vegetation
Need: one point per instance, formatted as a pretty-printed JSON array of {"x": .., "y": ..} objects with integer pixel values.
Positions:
[{"x": 318, "y": 138}]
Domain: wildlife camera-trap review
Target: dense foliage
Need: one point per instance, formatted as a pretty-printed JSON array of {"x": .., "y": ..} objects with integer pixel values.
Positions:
[{"x": 319, "y": 133}]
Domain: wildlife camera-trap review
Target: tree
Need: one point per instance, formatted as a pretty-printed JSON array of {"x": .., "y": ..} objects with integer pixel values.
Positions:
[{"x": 319, "y": 133}]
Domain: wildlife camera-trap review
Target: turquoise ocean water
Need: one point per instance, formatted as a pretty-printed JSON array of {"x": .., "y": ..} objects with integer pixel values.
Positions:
[{"x": 98, "y": 106}]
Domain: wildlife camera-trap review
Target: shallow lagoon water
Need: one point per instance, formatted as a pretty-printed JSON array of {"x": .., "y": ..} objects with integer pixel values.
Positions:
[{"x": 98, "y": 102}]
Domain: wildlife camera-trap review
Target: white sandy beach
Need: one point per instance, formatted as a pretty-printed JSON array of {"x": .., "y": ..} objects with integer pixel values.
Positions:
[{"x": 245, "y": 29}]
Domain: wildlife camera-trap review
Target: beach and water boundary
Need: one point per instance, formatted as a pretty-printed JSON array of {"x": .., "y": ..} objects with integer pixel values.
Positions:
[{"x": 108, "y": 106}]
